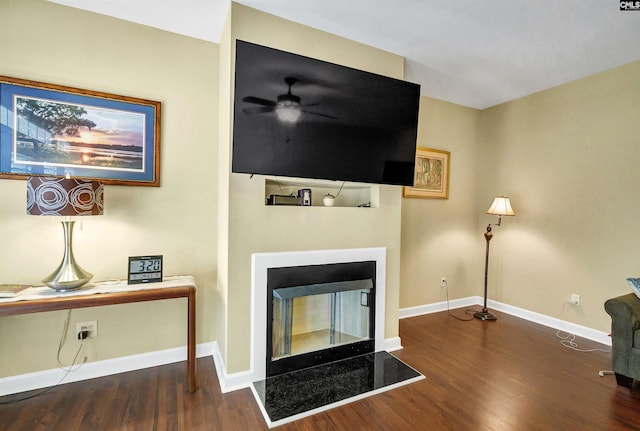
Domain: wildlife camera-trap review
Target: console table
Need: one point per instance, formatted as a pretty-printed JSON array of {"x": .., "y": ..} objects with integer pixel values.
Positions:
[{"x": 39, "y": 299}]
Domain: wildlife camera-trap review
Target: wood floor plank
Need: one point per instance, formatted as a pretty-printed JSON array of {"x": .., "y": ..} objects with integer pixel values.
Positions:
[{"x": 508, "y": 375}]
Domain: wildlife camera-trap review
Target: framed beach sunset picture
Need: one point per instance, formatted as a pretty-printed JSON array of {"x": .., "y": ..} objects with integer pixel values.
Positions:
[{"x": 53, "y": 130}]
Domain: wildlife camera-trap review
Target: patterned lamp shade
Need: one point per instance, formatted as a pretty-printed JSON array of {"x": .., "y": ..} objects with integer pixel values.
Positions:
[{"x": 64, "y": 196}]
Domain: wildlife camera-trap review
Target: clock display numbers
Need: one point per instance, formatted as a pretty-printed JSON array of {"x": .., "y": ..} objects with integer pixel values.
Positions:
[{"x": 145, "y": 269}]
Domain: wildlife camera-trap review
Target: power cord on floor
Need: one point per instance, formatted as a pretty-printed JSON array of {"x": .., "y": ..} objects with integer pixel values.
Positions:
[
  {"x": 67, "y": 370},
  {"x": 446, "y": 289},
  {"x": 568, "y": 341}
]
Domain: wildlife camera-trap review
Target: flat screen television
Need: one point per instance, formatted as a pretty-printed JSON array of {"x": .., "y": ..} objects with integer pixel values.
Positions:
[{"x": 296, "y": 116}]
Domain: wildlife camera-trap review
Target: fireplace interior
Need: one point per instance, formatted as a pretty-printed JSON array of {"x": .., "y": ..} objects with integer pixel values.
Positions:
[{"x": 319, "y": 314}]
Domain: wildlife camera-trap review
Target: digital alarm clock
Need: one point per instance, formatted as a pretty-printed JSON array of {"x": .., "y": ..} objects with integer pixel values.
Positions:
[{"x": 144, "y": 269}]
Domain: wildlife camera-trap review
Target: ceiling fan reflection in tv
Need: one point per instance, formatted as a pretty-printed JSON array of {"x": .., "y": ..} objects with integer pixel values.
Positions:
[
  {"x": 349, "y": 124},
  {"x": 288, "y": 107}
]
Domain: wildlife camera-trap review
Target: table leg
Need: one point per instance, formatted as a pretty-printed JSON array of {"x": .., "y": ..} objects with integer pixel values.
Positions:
[{"x": 191, "y": 340}]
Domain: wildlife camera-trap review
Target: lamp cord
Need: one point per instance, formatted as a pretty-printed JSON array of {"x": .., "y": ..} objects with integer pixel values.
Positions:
[
  {"x": 446, "y": 289},
  {"x": 67, "y": 371},
  {"x": 568, "y": 341},
  {"x": 63, "y": 337}
]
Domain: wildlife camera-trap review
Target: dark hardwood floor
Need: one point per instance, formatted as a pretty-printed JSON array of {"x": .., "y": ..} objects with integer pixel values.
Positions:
[{"x": 505, "y": 375}]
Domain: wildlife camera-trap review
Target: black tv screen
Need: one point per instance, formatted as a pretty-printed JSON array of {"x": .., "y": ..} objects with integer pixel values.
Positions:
[{"x": 296, "y": 116}]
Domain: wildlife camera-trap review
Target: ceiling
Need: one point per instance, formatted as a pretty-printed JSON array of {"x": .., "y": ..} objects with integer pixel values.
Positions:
[{"x": 476, "y": 53}]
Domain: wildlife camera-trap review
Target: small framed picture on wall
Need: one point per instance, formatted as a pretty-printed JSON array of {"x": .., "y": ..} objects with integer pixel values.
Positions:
[{"x": 431, "y": 176}]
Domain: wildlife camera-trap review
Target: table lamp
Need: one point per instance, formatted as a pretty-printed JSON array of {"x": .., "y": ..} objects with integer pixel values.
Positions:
[
  {"x": 67, "y": 197},
  {"x": 500, "y": 207}
]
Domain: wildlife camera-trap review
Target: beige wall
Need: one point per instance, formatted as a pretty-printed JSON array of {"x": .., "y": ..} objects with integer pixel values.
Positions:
[
  {"x": 221, "y": 309},
  {"x": 567, "y": 157},
  {"x": 47, "y": 42},
  {"x": 254, "y": 227},
  {"x": 440, "y": 237}
]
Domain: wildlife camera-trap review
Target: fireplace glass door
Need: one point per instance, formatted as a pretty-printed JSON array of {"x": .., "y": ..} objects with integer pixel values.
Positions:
[{"x": 319, "y": 314}]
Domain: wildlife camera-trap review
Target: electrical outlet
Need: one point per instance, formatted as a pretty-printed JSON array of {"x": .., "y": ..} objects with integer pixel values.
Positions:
[
  {"x": 443, "y": 282},
  {"x": 92, "y": 327},
  {"x": 575, "y": 299}
]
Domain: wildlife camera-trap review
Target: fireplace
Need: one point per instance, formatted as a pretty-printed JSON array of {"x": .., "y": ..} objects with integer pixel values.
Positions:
[
  {"x": 318, "y": 314},
  {"x": 314, "y": 307},
  {"x": 317, "y": 336}
]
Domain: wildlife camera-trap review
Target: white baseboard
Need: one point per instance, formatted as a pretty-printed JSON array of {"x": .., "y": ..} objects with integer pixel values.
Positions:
[
  {"x": 91, "y": 370},
  {"x": 229, "y": 382},
  {"x": 541, "y": 319},
  {"x": 552, "y": 322},
  {"x": 439, "y": 306},
  {"x": 234, "y": 381},
  {"x": 392, "y": 344}
]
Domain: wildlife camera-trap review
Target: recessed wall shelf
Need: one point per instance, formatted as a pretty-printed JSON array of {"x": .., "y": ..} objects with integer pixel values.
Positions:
[{"x": 351, "y": 195}]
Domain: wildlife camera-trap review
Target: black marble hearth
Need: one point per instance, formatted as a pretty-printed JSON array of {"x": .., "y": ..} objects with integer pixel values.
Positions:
[{"x": 289, "y": 396}]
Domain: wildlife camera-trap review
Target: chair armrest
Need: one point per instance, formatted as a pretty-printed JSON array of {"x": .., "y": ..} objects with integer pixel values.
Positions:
[{"x": 625, "y": 320}]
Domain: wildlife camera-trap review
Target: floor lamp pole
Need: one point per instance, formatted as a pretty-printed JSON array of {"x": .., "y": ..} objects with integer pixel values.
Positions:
[{"x": 484, "y": 313}]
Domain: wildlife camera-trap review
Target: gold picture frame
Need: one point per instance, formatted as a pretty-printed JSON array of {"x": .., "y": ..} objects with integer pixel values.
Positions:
[{"x": 431, "y": 176}]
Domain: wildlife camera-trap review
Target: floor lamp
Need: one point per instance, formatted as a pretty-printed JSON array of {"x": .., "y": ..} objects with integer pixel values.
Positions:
[{"x": 500, "y": 207}]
